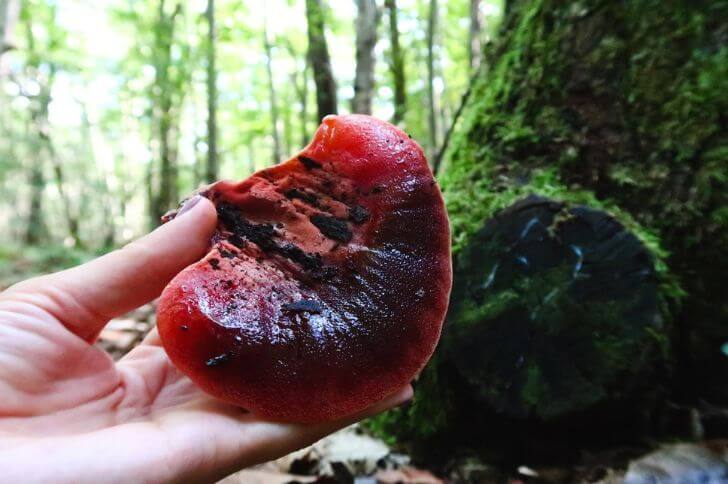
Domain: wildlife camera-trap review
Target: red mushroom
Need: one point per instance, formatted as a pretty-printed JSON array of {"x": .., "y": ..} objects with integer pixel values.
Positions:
[{"x": 327, "y": 279}]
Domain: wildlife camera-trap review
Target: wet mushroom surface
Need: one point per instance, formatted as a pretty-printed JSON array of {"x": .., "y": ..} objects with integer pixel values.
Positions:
[{"x": 326, "y": 282}]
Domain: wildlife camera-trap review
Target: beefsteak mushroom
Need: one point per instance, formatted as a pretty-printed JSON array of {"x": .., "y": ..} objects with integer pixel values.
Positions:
[{"x": 327, "y": 279}]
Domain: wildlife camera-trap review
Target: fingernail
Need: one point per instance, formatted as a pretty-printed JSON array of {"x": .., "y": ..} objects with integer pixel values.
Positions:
[{"x": 187, "y": 206}]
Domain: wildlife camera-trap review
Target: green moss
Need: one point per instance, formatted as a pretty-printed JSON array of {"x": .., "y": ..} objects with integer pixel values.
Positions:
[
  {"x": 619, "y": 106},
  {"x": 428, "y": 415},
  {"x": 533, "y": 389},
  {"x": 669, "y": 94},
  {"x": 18, "y": 263}
]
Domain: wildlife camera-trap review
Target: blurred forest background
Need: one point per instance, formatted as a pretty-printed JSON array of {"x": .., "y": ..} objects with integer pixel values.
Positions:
[
  {"x": 112, "y": 111},
  {"x": 581, "y": 146}
]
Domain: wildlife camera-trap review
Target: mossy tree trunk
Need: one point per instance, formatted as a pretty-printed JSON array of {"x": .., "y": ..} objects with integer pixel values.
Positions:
[
  {"x": 618, "y": 107},
  {"x": 622, "y": 103}
]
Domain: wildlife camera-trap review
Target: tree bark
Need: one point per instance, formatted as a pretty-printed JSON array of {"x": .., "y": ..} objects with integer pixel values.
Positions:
[
  {"x": 272, "y": 96},
  {"x": 212, "y": 170},
  {"x": 111, "y": 197},
  {"x": 318, "y": 53},
  {"x": 163, "y": 94},
  {"x": 475, "y": 42},
  {"x": 251, "y": 155},
  {"x": 437, "y": 163},
  {"x": 644, "y": 128},
  {"x": 4, "y": 4},
  {"x": 35, "y": 228},
  {"x": 431, "y": 102},
  {"x": 287, "y": 128},
  {"x": 606, "y": 109},
  {"x": 35, "y": 224},
  {"x": 40, "y": 104},
  {"x": 4, "y": 24},
  {"x": 303, "y": 102},
  {"x": 301, "y": 89},
  {"x": 396, "y": 65},
  {"x": 366, "y": 24},
  {"x": 43, "y": 130},
  {"x": 9, "y": 11}
]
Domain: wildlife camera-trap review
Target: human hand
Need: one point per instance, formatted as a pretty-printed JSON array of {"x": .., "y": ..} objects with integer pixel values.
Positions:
[{"x": 69, "y": 413}]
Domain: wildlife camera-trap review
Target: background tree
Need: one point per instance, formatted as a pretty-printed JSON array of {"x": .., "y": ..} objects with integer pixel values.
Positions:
[
  {"x": 272, "y": 94},
  {"x": 431, "y": 102},
  {"x": 366, "y": 24},
  {"x": 9, "y": 10},
  {"x": 642, "y": 139},
  {"x": 168, "y": 92},
  {"x": 42, "y": 67},
  {"x": 475, "y": 42},
  {"x": 211, "y": 172},
  {"x": 318, "y": 53},
  {"x": 396, "y": 64}
]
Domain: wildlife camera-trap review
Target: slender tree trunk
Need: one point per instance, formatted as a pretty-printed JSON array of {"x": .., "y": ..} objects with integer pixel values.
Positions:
[
  {"x": 124, "y": 190},
  {"x": 318, "y": 53},
  {"x": 105, "y": 175},
  {"x": 304, "y": 103},
  {"x": 35, "y": 224},
  {"x": 287, "y": 128},
  {"x": 152, "y": 203},
  {"x": 9, "y": 11},
  {"x": 272, "y": 97},
  {"x": 4, "y": 4},
  {"x": 476, "y": 22},
  {"x": 302, "y": 94},
  {"x": 167, "y": 171},
  {"x": 199, "y": 168},
  {"x": 45, "y": 148},
  {"x": 366, "y": 38},
  {"x": 4, "y": 24},
  {"x": 35, "y": 228},
  {"x": 163, "y": 115},
  {"x": 212, "y": 168},
  {"x": 396, "y": 64},
  {"x": 251, "y": 155},
  {"x": 42, "y": 126},
  {"x": 432, "y": 110},
  {"x": 437, "y": 162}
]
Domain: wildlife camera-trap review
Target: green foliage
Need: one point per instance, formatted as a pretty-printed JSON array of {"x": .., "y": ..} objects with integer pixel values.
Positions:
[
  {"x": 522, "y": 109},
  {"x": 18, "y": 263},
  {"x": 426, "y": 416}
]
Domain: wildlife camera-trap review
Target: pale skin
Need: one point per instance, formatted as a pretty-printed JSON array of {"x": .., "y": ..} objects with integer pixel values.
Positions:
[{"x": 69, "y": 413}]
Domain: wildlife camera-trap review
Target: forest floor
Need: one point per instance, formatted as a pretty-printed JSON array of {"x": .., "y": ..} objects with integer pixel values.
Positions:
[{"x": 352, "y": 455}]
